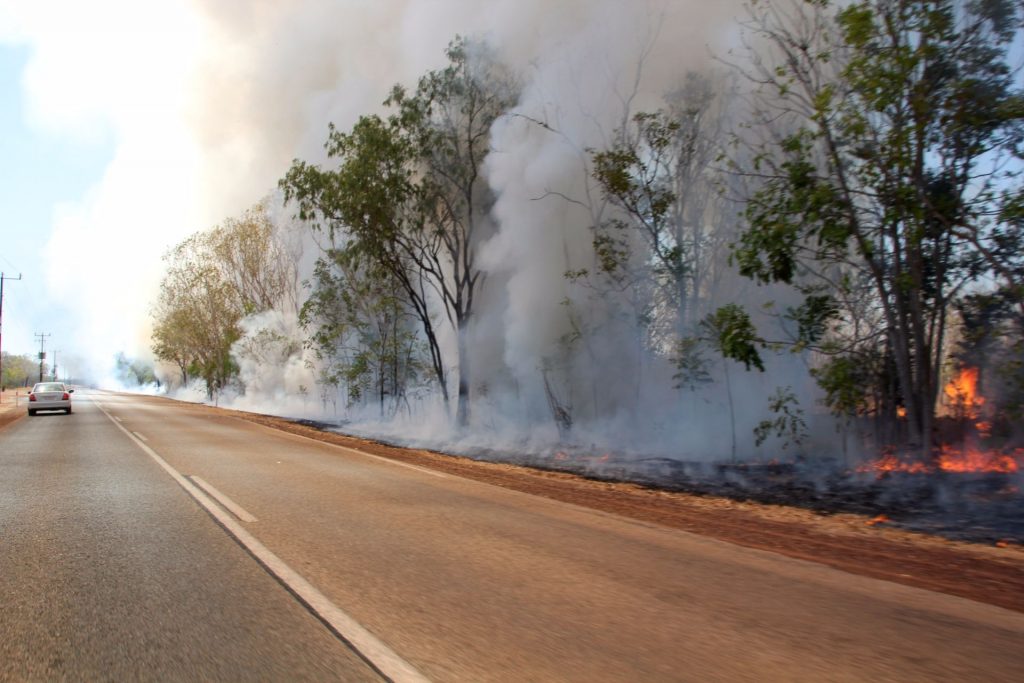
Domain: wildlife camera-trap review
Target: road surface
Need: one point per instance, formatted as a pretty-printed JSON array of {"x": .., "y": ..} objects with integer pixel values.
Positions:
[{"x": 141, "y": 539}]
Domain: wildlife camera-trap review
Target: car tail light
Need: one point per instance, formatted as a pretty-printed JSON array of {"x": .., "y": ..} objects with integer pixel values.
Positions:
[
  {"x": 67, "y": 396},
  {"x": 31, "y": 397}
]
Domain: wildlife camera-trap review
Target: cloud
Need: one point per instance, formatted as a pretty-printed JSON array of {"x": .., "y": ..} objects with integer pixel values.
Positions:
[
  {"x": 114, "y": 72},
  {"x": 206, "y": 103}
]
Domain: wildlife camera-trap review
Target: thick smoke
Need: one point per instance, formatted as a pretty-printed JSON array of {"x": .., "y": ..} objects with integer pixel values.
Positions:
[
  {"x": 261, "y": 83},
  {"x": 280, "y": 73}
]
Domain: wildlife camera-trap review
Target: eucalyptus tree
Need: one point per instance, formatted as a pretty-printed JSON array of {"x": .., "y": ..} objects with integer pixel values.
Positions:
[
  {"x": 448, "y": 119},
  {"x": 212, "y": 280},
  {"x": 409, "y": 195},
  {"x": 660, "y": 177},
  {"x": 17, "y": 369},
  {"x": 372, "y": 207},
  {"x": 887, "y": 127},
  {"x": 361, "y": 332},
  {"x": 196, "y": 316},
  {"x": 253, "y": 256}
]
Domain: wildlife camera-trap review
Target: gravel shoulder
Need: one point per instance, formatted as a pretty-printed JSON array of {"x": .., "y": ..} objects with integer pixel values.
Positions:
[{"x": 12, "y": 406}]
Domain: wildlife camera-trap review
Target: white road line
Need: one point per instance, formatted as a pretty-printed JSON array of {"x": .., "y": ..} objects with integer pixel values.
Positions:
[
  {"x": 373, "y": 650},
  {"x": 233, "y": 507},
  {"x": 140, "y": 436},
  {"x": 116, "y": 418}
]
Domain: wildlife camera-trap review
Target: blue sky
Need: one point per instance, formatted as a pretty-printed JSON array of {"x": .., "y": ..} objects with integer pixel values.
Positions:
[
  {"x": 98, "y": 170},
  {"x": 127, "y": 126},
  {"x": 39, "y": 170}
]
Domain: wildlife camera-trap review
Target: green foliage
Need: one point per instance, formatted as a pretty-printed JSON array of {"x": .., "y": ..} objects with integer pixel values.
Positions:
[
  {"x": 733, "y": 334},
  {"x": 813, "y": 318},
  {"x": 788, "y": 425},
  {"x": 691, "y": 364},
  {"x": 891, "y": 133},
  {"x": 793, "y": 211},
  {"x": 362, "y": 332},
  {"x": 659, "y": 222},
  {"x": 635, "y": 175},
  {"x": 212, "y": 280},
  {"x": 19, "y": 370},
  {"x": 405, "y": 206},
  {"x": 848, "y": 382}
]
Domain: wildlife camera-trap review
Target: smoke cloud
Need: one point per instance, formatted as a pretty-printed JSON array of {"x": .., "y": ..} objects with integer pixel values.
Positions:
[{"x": 208, "y": 103}]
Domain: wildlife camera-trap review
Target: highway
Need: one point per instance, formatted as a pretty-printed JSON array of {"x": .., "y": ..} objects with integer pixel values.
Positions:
[{"x": 144, "y": 539}]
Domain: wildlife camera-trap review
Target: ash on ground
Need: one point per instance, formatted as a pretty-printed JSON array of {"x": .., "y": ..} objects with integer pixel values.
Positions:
[{"x": 981, "y": 507}]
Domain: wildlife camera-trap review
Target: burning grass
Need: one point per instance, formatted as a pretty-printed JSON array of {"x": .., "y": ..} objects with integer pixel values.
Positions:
[{"x": 964, "y": 459}]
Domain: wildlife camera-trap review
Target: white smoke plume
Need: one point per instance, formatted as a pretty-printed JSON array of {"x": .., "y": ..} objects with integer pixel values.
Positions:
[
  {"x": 250, "y": 86},
  {"x": 586, "y": 67}
]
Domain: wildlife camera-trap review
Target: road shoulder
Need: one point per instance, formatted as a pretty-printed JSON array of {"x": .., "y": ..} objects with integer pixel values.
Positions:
[{"x": 12, "y": 406}]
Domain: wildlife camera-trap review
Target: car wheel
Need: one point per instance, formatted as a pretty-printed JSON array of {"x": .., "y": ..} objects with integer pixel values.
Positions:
[
  {"x": 31, "y": 412},
  {"x": 67, "y": 410}
]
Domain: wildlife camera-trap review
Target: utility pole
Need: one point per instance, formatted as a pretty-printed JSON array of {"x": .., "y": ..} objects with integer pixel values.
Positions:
[
  {"x": 42, "y": 352},
  {"x": 2, "y": 278},
  {"x": 53, "y": 370}
]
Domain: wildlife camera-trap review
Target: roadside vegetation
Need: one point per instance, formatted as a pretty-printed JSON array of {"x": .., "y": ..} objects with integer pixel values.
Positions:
[
  {"x": 19, "y": 370},
  {"x": 837, "y": 205}
]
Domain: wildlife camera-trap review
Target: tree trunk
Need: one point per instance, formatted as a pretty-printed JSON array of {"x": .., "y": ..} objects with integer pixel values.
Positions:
[
  {"x": 462, "y": 405},
  {"x": 732, "y": 407}
]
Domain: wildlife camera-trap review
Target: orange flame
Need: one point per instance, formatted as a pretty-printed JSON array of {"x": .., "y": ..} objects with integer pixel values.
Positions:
[
  {"x": 890, "y": 463},
  {"x": 962, "y": 392},
  {"x": 951, "y": 459},
  {"x": 969, "y": 459},
  {"x": 966, "y": 403}
]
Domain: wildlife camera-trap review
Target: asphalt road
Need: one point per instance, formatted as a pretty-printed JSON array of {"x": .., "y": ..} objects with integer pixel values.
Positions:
[{"x": 142, "y": 539}]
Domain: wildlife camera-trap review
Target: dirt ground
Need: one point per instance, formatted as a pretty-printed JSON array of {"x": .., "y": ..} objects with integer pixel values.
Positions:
[
  {"x": 12, "y": 405},
  {"x": 857, "y": 544}
]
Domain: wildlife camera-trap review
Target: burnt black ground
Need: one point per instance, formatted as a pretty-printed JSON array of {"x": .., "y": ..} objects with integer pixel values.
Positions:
[
  {"x": 978, "y": 507},
  {"x": 975, "y": 507}
]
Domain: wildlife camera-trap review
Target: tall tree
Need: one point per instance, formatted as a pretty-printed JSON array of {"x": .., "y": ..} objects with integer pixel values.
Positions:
[
  {"x": 448, "y": 120},
  {"x": 370, "y": 208},
  {"x": 659, "y": 176},
  {"x": 887, "y": 126},
  {"x": 214, "y": 279},
  {"x": 196, "y": 316},
  {"x": 410, "y": 197},
  {"x": 18, "y": 370},
  {"x": 362, "y": 333}
]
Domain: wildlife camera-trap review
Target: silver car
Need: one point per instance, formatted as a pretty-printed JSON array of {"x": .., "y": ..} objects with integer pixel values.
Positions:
[{"x": 49, "y": 396}]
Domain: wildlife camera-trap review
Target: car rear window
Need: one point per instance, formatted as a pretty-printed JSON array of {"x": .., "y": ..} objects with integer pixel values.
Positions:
[{"x": 48, "y": 386}]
